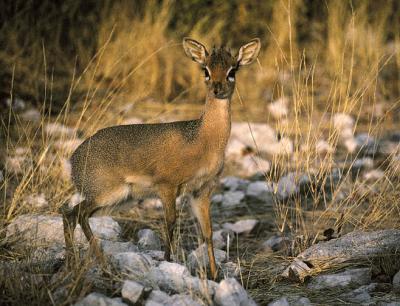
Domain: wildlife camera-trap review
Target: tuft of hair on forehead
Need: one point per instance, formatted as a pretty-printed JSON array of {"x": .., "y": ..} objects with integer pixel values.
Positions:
[{"x": 220, "y": 56}]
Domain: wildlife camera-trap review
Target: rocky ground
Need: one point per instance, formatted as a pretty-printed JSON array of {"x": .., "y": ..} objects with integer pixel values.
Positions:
[{"x": 283, "y": 235}]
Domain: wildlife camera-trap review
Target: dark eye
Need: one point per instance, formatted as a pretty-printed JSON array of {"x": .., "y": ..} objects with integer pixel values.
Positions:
[
  {"x": 231, "y": 75},
  {"x": 206, "y": 74}
]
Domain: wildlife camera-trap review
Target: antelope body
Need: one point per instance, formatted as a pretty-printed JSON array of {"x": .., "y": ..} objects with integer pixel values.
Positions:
[{"x": 163, "y": 160}]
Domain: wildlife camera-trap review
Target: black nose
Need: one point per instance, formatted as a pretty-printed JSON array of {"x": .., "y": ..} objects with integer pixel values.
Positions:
[{"x": 217, "y": 88}]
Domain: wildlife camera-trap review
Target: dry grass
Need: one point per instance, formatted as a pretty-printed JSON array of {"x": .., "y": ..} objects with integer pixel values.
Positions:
[{"x": 137, "y": 60}]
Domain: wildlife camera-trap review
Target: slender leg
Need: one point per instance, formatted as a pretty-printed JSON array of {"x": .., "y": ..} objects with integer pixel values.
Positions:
[
  {"x": 168, "y": 197},
  {"x": 201, "y": 209},
  {"x": 84, "y": 212},
  {"x": 69, "y": 223}
]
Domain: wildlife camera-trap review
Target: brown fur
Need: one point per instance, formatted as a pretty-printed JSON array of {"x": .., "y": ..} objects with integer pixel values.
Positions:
[{"x": 161, "y": 160}]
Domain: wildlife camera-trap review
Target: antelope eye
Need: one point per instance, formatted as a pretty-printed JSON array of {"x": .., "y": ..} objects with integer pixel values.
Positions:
[
  {"x": 206, "y": 74},
  {"x": 231, "y": 75}
]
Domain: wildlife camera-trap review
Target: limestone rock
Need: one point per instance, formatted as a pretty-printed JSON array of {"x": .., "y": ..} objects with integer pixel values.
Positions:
[
  {"x": 396, "y": 282},
  {"x": 230, "y": 293},
  {"x": 241, "y": 226},
  {"x": 231, "y": 199},
  {"x": 260, "y": 191},
  {"x": 287, "y": 186},
  {"x": 98, "y": 299},
  {"x": 48, "y": 229},
  {"x": 148, "y": 240},
  {"x": 360, "y": 276},
  {"x": 110, "y": 247},
  {"x": 173, "y": 277},
  {"x": 234, "y": 183},
  {"x": 280, "y": 302},
  {"x": 132, "y": 291},
  {"x": 199, "y": 257},
  {"x": 135, "y": 265},
  {"x": 276, "y": 243}
]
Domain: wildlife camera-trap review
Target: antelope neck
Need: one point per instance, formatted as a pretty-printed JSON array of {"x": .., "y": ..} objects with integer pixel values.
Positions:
[{"x": 216, "y": 121}]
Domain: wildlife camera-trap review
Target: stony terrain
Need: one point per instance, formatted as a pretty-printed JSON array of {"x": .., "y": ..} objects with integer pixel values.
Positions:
[{"x": 282, "y": 235}]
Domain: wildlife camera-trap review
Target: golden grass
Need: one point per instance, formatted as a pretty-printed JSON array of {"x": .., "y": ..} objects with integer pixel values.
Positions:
[{"x": 138, "y": 59}]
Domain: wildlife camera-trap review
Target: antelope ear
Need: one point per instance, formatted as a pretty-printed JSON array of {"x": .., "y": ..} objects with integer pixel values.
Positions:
[
  {"x": 195, "y": 50},
  {"x": 249, "y": 52}
]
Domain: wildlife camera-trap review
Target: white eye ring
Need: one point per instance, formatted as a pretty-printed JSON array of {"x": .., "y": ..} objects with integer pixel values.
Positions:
[
  {"x": 231, "y": 78},
  {"x": 208, "y": 74}
]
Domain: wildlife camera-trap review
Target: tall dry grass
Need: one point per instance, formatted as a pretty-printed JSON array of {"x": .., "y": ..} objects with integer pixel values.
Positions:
[{"x": 352, "y": 67}]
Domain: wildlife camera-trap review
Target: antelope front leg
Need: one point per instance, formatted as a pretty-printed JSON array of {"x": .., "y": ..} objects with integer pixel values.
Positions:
[
  {"x": 168, "y": 197},
  {"x": 201, "y": 209}
]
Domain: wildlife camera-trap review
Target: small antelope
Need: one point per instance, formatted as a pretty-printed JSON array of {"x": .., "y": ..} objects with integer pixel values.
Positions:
[{"x": 163, "y": 160}]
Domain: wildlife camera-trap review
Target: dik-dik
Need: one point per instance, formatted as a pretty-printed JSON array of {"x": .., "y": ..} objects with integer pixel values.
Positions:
[{"x": 165, "y": 159}]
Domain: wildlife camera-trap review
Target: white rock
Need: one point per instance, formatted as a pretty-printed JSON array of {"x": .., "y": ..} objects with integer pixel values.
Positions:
[
  {"x": 98, "y": 299},
  {"x": 235, "y": 148},
  {"x": 297, "y": 271},
  {"x": 281, "y": 147},
  {"x": 152, "y": 203},
  {"x": 199, "y": 257},
  {"x": 241, "y": 226},
  {"x": 46, "y": 229},
  {"x": 220, "y": 238},
  {"x": 323, "y": 147},
  {"x": 279, "y": 108},
  {"x": 155, "y": 254},
  {"x": 232, "y": 198},
  {"x": 173, "y": 277},
  {"x": 251, "y": 164},
  {"x": 281, "y": 302},
  {"x": 55, "y": 252},
  {"x": 31, "y": 115},
  {"x": 148, "y": 240},
  {"x": 230, "y": 293},
  {"x": 158, "y": 298},
  {"x": 360, "y": 295},
  {"x": 360, "y": 276},
  {"x": 287, "y": 186},
  {"x": 16, "y": 164},
  {"x": 396, "y": 282},
  {"x": 347, "y": 134},
  {"x": 234, "y": 183},
  {"x": 105, "y": 227},
  {"x": 260, "y": 191},
  {"x": 374, "y": 175},
  {"x": 230, "y": 269},
  {"x": 302, "y": 301},
  {"x": 110, "y": 247},
  {"x": 350, "y": 144},
  {"x": 217, "y": 198},
  {"x": 58, "y": 129},
  {"x": 184, "y": 300},
  {"x": 37, "y": 201},
  {"x": 276, "y": 243},
  {"x": 363, "y": 163},
  {"x": 17, "y": 104},
  {"x": 132, "y": 291},
  {"x": 367, "y": 144},
  {"x": 259, "y": 133},
  {"x": 135, "y": 265},
  {"x": 342, "y": 121}
]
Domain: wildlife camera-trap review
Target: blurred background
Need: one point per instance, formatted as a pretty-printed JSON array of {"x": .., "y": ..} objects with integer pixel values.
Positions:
[
  {"x": 315, "y": 128},
  {"x": 52, "y": 51}
]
